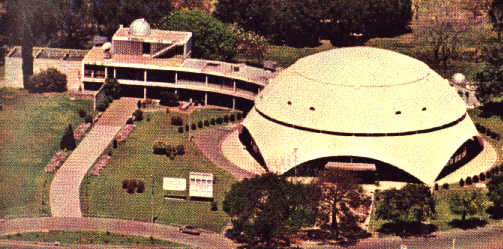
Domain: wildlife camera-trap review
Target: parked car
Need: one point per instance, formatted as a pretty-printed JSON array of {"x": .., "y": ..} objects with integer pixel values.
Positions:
[{"x": 190, "y": 229}]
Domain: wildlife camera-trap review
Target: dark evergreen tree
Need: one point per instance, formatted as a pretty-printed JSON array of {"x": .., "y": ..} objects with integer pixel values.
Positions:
[{"x": 68, "y": 141}]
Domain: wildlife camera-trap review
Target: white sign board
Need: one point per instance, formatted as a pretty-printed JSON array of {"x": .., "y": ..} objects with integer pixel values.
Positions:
[
  {"x": 173, "y": 183},
  {"x": 201, "y": 184}
]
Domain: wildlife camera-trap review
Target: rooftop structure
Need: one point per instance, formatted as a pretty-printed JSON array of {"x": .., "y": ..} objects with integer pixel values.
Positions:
[{"x": 361, "y": 105}]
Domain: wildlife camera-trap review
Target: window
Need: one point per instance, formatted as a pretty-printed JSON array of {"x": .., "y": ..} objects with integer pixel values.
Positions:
[
  {"x": 289, "y": 102},
  {"x": 146, "y": 48},
  {"x": 311, "y": 108},
  {"x": 398, "y": 112},
  {"x": 424, "y": 109}
]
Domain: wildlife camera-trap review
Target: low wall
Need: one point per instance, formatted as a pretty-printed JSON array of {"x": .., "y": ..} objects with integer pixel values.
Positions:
[{"x": 99, "y": 96}]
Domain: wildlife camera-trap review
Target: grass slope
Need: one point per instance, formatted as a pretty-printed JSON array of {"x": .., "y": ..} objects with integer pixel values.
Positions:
[
  {"x": 103, "y": 195},
  {"x": 31, "y": 126},
  {"x": 87, "y": 237}
]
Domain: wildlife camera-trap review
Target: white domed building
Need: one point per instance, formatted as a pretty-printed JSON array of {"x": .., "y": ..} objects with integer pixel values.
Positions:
[{"x": 362, "y": 108}]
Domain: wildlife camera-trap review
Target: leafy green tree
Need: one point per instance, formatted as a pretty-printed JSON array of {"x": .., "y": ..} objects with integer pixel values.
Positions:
[
  {"x": 341, "y": 196},
  {"x": 249, "y": 43},
  {"x": 412, "y": 203},
  {"x": 268, "y": 207},
  {"x": 495, "y": 193},
  {"x": 50, "y": 80},
  {"x": 490, "y": 77},
  {"x": 468, "y": 203},
  {"x": 109, "y": 14},
  {"x": 168, "y": 98},
  {"x": 68, "y": 141},
  {"x": 496, "y": 16},
  {"x": 112, "y": 88},
  {"x": 211, "y": 38}
]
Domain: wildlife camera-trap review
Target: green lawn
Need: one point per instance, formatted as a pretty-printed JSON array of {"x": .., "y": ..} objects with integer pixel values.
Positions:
[
  {"x": 31, "y": 126},
  {"x": 96, "y": 238},
  {"x": 103, "y": 195}
]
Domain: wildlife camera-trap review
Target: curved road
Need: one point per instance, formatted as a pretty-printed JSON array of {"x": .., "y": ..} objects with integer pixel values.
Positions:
[{"x": 207, "y": 239}]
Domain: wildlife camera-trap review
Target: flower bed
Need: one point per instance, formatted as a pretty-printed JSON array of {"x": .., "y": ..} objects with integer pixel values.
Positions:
[
  {"x": 81, "y": 130},
  {"x": 124, "y": 132},
  {"x": 100, "y": 165},
  {"x": 56, "y": 161}
]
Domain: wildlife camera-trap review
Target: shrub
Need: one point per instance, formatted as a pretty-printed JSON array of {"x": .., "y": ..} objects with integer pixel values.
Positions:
[
  {"x": 169, "y": 99},
  {"x": 176, "y": 120},
  {"x": 180, "y": 149},
  {"x": 88, "y": 119},
  {"x": 102, "y": 106},
  {"x": 170, "y": 150},
  {"x": 475, "y": 178},
  {"x": 212, "y": 122},
  {"x": 206, "y": 123},
  {"x": 214, "y": 206},
  {"x": 115, "y": 144},
  {"x": 200, "y": 124},
  {"x": 148, "y": 118},
  {"x": 68, "y": 141},
  {"x": 50, "y": 80},
  {"x": 193, "y": 126},
  {"x": 489, "y": 174},
  {"x": 140, "y": 187},
  {"x": 468, "y": 180},
  {"x": 445, "y": 186},
  {"x": 239, "y": 116},
  {"x": 159, "y": 147},
  {"x": 231, "y": 118},
  {"x": 82, "y": 113},
  {"x": 125, "y": 184},
  {"x": 461, "y": 182},
  {"x": 220, "y": 120},
  {"x": 129, "y": 121},
  {"x": 138, "y": 115},
  {"x": 436, "y": 186},
  {"x": 187, "y": 127},
  {"x": 180, "y": 129},
  {"x": 226, "y": 118},
  {"x": 482, "y": 177},
  {"x": 112, "y": 88},
  {"x": 109, "y": 99},
  {"x": 109, "y": 153},
  {"x": 138, "y": 104}
]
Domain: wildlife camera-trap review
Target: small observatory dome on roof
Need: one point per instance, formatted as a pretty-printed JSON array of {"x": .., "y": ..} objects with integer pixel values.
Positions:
[
  {"x": 139, "y": 27},
  {"x": 458, "y": 78}
]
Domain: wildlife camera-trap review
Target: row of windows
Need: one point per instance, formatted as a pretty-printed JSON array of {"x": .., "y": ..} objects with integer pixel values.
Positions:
[{"x": 396, "y": 113}]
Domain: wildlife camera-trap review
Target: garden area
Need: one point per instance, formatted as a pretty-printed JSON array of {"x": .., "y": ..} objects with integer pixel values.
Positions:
[
  {"x": 133, "y": 161},
  {"x": 96, "y": 238},
  {"x": 31, "y": 127}
]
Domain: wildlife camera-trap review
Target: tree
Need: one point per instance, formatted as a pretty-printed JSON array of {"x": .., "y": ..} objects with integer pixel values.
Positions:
[
  {"x": 467, "y": 203},
  {"x": 50, "y": 80},
  {"x": 496, "y": 16},
  {"x": 110, "y": 14},
  {"x": 412, "y": 203},
  {"x": 168, "y": 98},
  {"x": 203, "y": 5},
  {"x": 249, "y": 43},
  {"x": 112, "y": 88},
  {"x": 495, "y": 193},
  {"x": 211, "y": 38},
  {"x": 341, "y": 198},
  {"x": 68, "y": 141},
  {"x": 444, "y": 33},
  {"x": 490, "y": 77},
  {"x": 268, "y": 207},
  {"x": 477, "y": 7}
]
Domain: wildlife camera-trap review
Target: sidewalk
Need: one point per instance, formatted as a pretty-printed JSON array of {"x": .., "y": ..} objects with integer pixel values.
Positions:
[{"x": 64, "y": 195}]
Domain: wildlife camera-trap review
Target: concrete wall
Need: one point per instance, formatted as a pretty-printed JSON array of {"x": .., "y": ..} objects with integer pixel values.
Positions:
[{"x": 14, "y": 71}]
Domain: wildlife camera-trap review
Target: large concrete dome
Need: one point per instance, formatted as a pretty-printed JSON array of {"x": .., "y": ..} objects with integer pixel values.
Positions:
[
  {"x": 360, "y": 102},
  {"x": 139, "y": 27}
]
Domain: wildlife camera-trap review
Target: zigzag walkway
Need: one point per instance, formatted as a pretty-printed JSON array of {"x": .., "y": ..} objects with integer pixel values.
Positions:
[{"x": 64, "y": 195}]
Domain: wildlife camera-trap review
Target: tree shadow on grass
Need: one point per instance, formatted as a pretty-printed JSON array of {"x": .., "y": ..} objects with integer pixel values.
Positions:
[
  {"x": 495, "y": 212},
  {"x": 492, "y": 109},
  {"x": 468, "y": 223},
  {"x": 405, "y": 229}
]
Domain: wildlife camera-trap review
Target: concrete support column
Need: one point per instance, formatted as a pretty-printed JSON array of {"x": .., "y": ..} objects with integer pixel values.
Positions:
[
  {"x": 233, "y": 103},
  {"x": 145, "y": 93},
  {"x": 115, "y": 73},
  {"x": 106, "y": 72},
  {"x": 145, "y": 76},
  {"x": 176, "y": 78},
  {"x": 205, "y": 98},
  {"x": 234, "y": 85},
  {"x": 206, "y": 80}
]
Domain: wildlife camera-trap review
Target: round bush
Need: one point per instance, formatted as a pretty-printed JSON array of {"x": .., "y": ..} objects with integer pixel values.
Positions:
[
  {"x": 214, "y": 206},
  {"x": 200, "y": 124},
  {"x": 232, "y": 118},
  {"x": 50, "y": 80},
  {"x": 125, "y": 184},
  {"x": 489, "y": 174},
  {"x": 468, "y": 180},
  {"x": 461, "y": 182},
  {"x": 180, "y": 129},
  {"x": 220, "y": 120},
  {"x": 239, "y": 116},
  {"x": 88, "y": 119},
  {"x": 193, "y": 126},
  {"x": 212, "y": 122},
  {"x": 82, "y": 113},
  {"x": 206, "y": 123},
  {"x": 180, "y": 149},
  {"x": 445, "y": 186},
  {"x": 176, "y": 120},
  {"x": 187, "y": 127},
  {"x": 138, "y": 115},
  {"x": 482, "y": 177},
  {"x": 226, "y": 118},
  {"x": 475, "y": 178},
  {"x": 140, "y": 188},
  {"x": 159, "y": 147},
  {"x": 129, "y": 121},
  {"x": 115, "y": 144},
  {"x": 436, "y": 186}
]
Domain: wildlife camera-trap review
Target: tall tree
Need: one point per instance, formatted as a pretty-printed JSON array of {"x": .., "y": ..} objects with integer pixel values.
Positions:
[
  {"x": 490, "y": 77},
  {"x": 412, "y": 203},
  {"x": 249, "y": 43},
  {"x": 68, "y": 140},
  {"x": 496, "y": 16},
  {"x": 268, "y": 207},
  {"x": 211, "y": 38},
  {"x": 341, "y": 198},
  {"x": 495, "y": 193},
  {"x": 468, "y": 203}
]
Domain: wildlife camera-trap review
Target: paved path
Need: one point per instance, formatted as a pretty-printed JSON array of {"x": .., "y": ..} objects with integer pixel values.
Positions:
[
  {"x": 210, "y": 142},
  {"x": 64, "y": 195},
  {"x": 205, "y": 240}
]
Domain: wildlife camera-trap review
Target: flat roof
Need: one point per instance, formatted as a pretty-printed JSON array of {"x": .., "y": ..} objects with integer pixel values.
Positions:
[
  {"x": 97, "y": 56},
  {"x": 51, "y": 53},
  {"x": 155, "y": 36}
]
